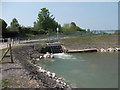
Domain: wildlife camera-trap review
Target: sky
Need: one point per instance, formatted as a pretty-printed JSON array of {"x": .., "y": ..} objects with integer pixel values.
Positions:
[
  {"x": 119, "y": 16},
  {"x": 88, "y": 15}
]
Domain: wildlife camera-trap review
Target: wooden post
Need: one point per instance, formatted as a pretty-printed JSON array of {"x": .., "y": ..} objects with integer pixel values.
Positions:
[
  {"x": 9, "y": 49},
  {"x": 11, "y": 53},
  {"x": 5, "y": 53}
]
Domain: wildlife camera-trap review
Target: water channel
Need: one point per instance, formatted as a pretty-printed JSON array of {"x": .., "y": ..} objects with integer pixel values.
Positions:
[{"x": 85, "y": 70}]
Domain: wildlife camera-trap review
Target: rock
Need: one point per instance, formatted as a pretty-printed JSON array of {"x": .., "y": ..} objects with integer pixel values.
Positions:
[
  {"x": 117, "y": 49},
  {"x": 38, "y": 59},
  {"x": 53, "y": 75},
  {"x": 41, "y": 57},
  {"x": 48, "y": 55},
  {"x": 110, "y": 49},
  {"x": 52, "y": 56},
  {"x": 102, "y": 50},
  {"x": 35, "y": 55}
]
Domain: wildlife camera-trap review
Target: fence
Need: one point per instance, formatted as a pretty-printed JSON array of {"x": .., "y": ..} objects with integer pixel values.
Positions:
[
  {"x": 52, "y": 36},
  {"x": 82, "y": 33}
]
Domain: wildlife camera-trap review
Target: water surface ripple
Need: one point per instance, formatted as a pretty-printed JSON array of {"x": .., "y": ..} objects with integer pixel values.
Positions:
[{"x": 85, "y": 70}]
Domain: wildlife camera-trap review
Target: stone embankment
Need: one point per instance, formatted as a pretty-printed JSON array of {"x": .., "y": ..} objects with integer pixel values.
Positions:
[
  {"x": 109, "y": 49},
  {"x": 42, "y": 76}
]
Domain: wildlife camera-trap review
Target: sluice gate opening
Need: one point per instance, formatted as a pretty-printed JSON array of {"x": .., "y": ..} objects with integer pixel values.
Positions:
[{"x": 55, "y": 47}]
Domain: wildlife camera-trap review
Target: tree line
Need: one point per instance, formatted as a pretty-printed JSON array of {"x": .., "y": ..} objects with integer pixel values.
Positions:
[{"x": 44, "y": 24}]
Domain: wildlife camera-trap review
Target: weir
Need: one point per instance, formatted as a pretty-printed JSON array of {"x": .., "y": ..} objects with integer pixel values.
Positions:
[{"x": 55, "y": 47}]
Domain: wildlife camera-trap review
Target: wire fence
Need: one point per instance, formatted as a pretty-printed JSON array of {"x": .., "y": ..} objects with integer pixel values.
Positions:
[
  {"x": 82, "y": 33},
  {"x": 52, "y": 37}
]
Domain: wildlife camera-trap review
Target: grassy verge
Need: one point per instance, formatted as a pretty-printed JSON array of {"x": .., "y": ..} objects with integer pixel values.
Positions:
[{"x": 94, "y": 41}]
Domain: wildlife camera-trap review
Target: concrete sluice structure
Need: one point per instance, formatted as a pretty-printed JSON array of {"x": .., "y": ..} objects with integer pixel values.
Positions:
[{"x": 55, "y": 47}]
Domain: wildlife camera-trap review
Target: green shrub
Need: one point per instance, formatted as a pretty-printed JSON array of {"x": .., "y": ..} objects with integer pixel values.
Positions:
[{"x": 42, "y": 49}]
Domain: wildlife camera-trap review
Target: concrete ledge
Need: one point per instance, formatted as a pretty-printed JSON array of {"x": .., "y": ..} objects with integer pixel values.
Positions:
[{"x": 83, "y": 50}]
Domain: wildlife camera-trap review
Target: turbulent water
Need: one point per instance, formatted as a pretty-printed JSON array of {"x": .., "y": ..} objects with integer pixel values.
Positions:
[{"x": 85, "y": 70}]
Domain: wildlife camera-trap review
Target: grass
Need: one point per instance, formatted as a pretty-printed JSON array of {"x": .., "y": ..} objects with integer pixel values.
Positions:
[
  {"x": 6, "y": 59},
  {"x": 95, "y": 41},
  {"x": 10, "y": 83},
  {"x": 87, "y": 39},
  {"x": 4, "y": 83}
]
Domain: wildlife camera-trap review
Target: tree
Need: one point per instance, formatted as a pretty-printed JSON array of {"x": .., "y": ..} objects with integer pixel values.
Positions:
[
  {"x": 45, "y": 21},
  {"x": 3, "y": 29},
  {"x": 14, "y": 28},
  {"x": 73, "y": 23},
  {"x": 71, "y": 27},
  {"x": 66, "y": 28},
  {"x": 14, "y": 25}
]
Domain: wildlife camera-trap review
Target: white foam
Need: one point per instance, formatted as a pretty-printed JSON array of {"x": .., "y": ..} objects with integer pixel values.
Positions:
[
  {"x": 69, "y": 57},
  {"x": 63, "y": 56}
]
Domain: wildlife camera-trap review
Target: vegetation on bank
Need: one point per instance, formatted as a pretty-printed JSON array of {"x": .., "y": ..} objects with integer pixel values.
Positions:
[
  {"x": 91, "y": 41},
  {"x": 44, "y": 24}
]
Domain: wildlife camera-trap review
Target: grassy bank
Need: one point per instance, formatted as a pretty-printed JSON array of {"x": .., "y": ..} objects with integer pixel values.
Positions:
[{"x": 93, "y": 41}]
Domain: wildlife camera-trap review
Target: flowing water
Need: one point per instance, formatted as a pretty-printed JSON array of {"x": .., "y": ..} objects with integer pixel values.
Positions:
[{"x": 85, "y": 70}]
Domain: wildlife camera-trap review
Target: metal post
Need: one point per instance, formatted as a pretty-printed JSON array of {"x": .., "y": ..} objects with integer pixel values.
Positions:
[
  {"x": 57, "y": 34},
  {"x": 7, "y": 42},
  {"x": 48, "y": 37},
  {"x": 18, "y": 40},
  {"x": 12, "y": 41}
]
